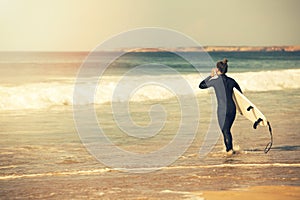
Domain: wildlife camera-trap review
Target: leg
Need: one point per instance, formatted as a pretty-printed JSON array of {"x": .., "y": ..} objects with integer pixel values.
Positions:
[
  {"x": 226, "y": 131},
  {"x": 227, "y": 138}
]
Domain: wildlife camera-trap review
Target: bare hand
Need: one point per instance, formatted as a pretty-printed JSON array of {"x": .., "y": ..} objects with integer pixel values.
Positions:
[{"x": 213, "y": 72}]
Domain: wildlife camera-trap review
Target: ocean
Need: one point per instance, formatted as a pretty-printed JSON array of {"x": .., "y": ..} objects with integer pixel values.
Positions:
[{"x": 135, "y": 129}]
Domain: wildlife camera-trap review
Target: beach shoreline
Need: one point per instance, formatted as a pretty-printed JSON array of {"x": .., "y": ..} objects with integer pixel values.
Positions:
[{"x": 163, "y": 184}]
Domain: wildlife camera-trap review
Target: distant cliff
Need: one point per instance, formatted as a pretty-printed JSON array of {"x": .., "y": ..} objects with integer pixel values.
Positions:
[
  {"x": 252, "y": 48},
  {"x": 219, "y": 49}
]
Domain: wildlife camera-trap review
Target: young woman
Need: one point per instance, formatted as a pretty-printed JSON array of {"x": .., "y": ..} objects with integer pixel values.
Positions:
[{"x": 223, "y": 86}]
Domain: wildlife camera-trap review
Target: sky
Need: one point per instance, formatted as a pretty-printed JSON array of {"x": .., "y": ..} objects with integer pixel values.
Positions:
[{"x": 80, "y": 25}]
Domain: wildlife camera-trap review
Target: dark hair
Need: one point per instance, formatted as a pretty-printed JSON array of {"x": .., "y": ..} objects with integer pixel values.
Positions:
[{"x": 222, "y": 66}]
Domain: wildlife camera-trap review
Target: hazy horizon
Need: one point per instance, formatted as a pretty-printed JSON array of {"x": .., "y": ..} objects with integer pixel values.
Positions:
[{"x": 80, "y": 26}]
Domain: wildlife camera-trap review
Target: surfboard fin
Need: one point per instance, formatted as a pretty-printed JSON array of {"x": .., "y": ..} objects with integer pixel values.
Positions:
[
  {"x": 249, "y": 108},
  {"x": 257, "y": 122}
]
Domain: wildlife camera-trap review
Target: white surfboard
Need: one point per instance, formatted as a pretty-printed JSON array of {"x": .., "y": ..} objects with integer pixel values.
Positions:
[
  {"x": 251, "y": 112},
  {"x": 248, "y": 109}
]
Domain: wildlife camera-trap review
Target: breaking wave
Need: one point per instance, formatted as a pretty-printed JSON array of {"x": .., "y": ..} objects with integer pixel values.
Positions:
[{"x": 47, "y": 94}]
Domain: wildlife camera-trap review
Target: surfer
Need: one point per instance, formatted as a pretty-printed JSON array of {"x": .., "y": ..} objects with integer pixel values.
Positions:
[{"x": 223, "y": 86}]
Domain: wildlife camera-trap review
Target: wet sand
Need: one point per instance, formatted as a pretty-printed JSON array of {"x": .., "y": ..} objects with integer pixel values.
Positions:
[
  {"x": 173, "y": 183},
  {"x": 256, "y": 193}
]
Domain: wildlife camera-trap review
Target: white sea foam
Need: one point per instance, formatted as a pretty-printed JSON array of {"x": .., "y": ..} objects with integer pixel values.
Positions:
[
  {"x": 105, "y": 170},
  {"x": 241, "y": 165},
  {"x": 236, "y": 165},
  {"x": 185, "y": 194},
  {"x": 269, "y": 80},
  {"x": 66, "y": 173},
  {"x": 45, "y": 95}
]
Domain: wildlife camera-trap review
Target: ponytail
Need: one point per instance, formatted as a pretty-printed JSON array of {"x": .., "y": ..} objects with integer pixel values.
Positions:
[{"x": 222, "y": 66}]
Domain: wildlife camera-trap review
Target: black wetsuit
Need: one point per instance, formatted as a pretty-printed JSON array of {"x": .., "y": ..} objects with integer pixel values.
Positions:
[{"x": 223, "y": 86}]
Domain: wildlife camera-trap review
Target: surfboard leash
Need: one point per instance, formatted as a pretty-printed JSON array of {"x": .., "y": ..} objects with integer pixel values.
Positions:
[{"x": 269, "y": 145}]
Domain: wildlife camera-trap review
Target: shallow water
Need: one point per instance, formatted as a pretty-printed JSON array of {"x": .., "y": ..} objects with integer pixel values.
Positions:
[{"x": 41, "y": 152}]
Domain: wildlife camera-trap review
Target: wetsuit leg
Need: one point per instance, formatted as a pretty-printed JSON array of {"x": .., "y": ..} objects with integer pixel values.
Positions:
[{"x": 225, "y": 127}]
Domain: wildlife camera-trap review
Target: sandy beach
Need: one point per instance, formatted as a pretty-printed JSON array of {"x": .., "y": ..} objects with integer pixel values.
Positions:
[
  {"x": 163, "y": 184},
  {"x": 43, "y": 157},
  {"x": 256, "y": 193}
]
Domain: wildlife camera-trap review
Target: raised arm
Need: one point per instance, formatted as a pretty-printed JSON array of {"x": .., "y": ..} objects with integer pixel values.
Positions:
[{"x": 205, "y": 83}]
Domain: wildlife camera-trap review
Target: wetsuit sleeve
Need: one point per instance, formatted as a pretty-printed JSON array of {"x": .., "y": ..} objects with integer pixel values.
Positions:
[{"x": 206, "y": 83}]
